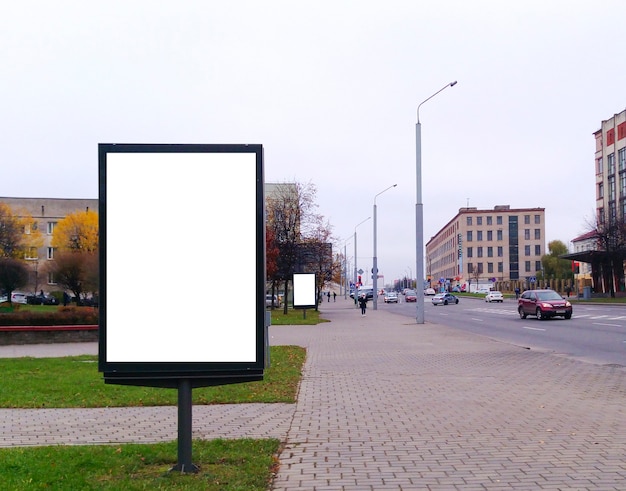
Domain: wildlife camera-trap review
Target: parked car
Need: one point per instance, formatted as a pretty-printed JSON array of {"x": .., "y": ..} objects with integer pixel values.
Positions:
[
  {"x": 410, "y": 296},
  {"x": 391, "y": 297},
  {"x": 18, "y": 297},
  {"x": 543, "y": 304},
  {"x": 268, "y": 301},
  {"x": 429, "y": 291},
  {"x": 444, "y": 299},
  {"x": 41, "y": 299},
  {"x": 494, "y": 296}
]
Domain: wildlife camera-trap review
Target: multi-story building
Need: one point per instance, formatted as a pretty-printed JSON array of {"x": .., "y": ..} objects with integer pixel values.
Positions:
[
  {"x": 46, "y": 212},
  {"x": 610, "y": 160},
  {"x": 480, "y": 246}
]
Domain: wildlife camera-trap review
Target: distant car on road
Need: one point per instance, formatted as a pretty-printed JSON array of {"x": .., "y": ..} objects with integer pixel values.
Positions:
[
  {"x": 494, "y": 296},
  {"x": 543, "y": 304},
  {"x": 391, "y": 297},
  {"x": 410, "y": 296},
  {"x": 429, "y": 291},
  {"x": 444, "y": 299}
]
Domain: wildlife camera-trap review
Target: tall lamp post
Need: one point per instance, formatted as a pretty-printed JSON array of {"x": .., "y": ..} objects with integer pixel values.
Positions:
[
  {"x": 375, "y": 268},
  {"x": 419, "y": 210},
  {"x": 355, "y": 256}
]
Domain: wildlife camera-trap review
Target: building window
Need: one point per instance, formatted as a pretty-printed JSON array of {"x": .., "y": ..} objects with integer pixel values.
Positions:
[
  {"x": 479, "y": 266},
  {"x": 479, "y": 220},
  {"x": 610, "y": 164},
  {"x": 489, "y": 220},
  {"x": 500, "y": 267},
  {"x": 470, "y": 268},
  {"x": 537, "y": 265},
  {"x": 489, "y": 251},
  {"x": 479, "y": 252},
  {"x": 537, "y": 250},
  {"x": 621, "y": 159},
  {"x": 469, "y": 235},
  {"x": 489, "y": 267},
  {"x": 527, "y": 250},
  {"x": 599, "y": 166},
  {"x": 537, "y": 219},
  {"x": 470, "y": 252},
  {"x": 50, "y": 229},
  {"x": 50, "y": 253},
  {"x": 479, "y": 235},
  {"x": 601, "y": 216},
  {"x": 31, "y": 253},
  {"x": 527, "y": 266},
  {"x": 490, "y": 235},
  {"x": 610, "y": 137},
  {"x": 526, "y": 234},
  {"x": 611, "y": 188},
  {"x": 622, "y": 183},
  {"x": 499, "y": 235},
  {"x": 537, "y": 234},
  {"x": 600, "y": 190},
  {"x": 526, "y": 219},
  {"x": 469, "y": 220},
  {"x": 500, "y": 251},
  {"x": 51, "y": 278},
  {"x": 499, "y": 220}
]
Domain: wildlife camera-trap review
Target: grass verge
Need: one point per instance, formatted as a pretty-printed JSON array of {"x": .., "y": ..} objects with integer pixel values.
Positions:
[
  {"x": 225, "y": 465},
  {"x": 74, "y": 381}
]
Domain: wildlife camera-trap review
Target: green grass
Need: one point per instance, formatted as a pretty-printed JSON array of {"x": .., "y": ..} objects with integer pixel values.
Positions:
[
  {"x": 307, "y": 317},
  {"x": 75, "y": 382},
  {"x": 225, "y": 465}
]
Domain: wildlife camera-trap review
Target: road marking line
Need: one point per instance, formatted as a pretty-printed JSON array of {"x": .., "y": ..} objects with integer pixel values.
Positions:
[
  {"x": 604, "y": 324},
  {"x": 533, "y": 328}
]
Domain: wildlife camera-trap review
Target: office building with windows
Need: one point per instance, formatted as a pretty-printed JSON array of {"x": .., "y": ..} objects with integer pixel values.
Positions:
[
  {"x": 46, "y": 213},
  {"x": 502, "y": 244}
]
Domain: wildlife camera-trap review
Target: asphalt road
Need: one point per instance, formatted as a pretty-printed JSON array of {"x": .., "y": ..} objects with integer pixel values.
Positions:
[{"x": 596, "y": 333}]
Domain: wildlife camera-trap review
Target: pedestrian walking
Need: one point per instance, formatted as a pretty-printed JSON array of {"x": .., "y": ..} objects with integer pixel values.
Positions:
[
  {"x": 363, "y": 304},
  {"x": 334, "y": 296}
]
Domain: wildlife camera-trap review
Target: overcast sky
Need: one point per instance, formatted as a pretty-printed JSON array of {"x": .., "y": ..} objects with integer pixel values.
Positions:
[{"x": 330, "y": 89}]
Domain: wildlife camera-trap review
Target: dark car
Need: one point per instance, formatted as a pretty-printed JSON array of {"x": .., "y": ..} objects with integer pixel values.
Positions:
[
  {"x": 543, "y": 304},
  {"x": 41, "y": 299}
]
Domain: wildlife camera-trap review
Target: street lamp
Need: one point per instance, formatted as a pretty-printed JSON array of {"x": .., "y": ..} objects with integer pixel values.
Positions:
[
  {"x": 419, "y": 210},
  {"x": 355, "y": 256},
  {"x": 375, "y": 268}
]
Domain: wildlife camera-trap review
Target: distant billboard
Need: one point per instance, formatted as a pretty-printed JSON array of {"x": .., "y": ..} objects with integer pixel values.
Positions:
[
  {"x": 175, "y": 220},
  {"x": 304, "y": 291}
]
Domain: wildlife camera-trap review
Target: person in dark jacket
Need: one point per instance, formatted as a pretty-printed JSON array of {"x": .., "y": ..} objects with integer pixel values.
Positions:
[{"x": 363, "y": 303}]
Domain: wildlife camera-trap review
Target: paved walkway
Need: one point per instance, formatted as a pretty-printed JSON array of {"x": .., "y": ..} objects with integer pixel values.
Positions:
[{"x": 386, "y": 404}]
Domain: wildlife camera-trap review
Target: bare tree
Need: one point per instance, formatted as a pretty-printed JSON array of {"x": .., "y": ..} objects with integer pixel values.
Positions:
[
  {"x": 611, "y": 236},
  {"x": 290, "y": 214},
  {"x": 13, "y": 274}
]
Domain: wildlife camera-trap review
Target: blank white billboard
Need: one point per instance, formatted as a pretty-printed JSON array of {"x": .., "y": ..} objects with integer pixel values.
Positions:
[{"x": 181, "y": 255}]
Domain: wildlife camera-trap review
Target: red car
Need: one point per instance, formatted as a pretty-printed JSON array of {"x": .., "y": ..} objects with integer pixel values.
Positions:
[
  {"x": 543, "y": 304},
  {"x": 410, "y": 296}
]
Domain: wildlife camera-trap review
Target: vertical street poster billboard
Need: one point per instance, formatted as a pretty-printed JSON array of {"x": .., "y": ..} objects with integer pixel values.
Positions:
[
  {"x": 182, "y": 263},
  {"x": 304, "y": 291}
]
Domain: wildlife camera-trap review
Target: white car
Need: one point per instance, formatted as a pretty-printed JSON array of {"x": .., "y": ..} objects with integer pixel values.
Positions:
[
  {"x": 494, "y": 296},
  {"x": 18, "y": 297},
  {"x": 429, "y": 291}
]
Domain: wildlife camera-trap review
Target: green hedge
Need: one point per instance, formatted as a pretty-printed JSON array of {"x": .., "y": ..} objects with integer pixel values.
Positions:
[{"x": 64, "y": 316}]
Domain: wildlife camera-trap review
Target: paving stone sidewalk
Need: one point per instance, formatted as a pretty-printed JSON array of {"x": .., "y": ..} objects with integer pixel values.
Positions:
[{"x": 386, "y": 404}]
